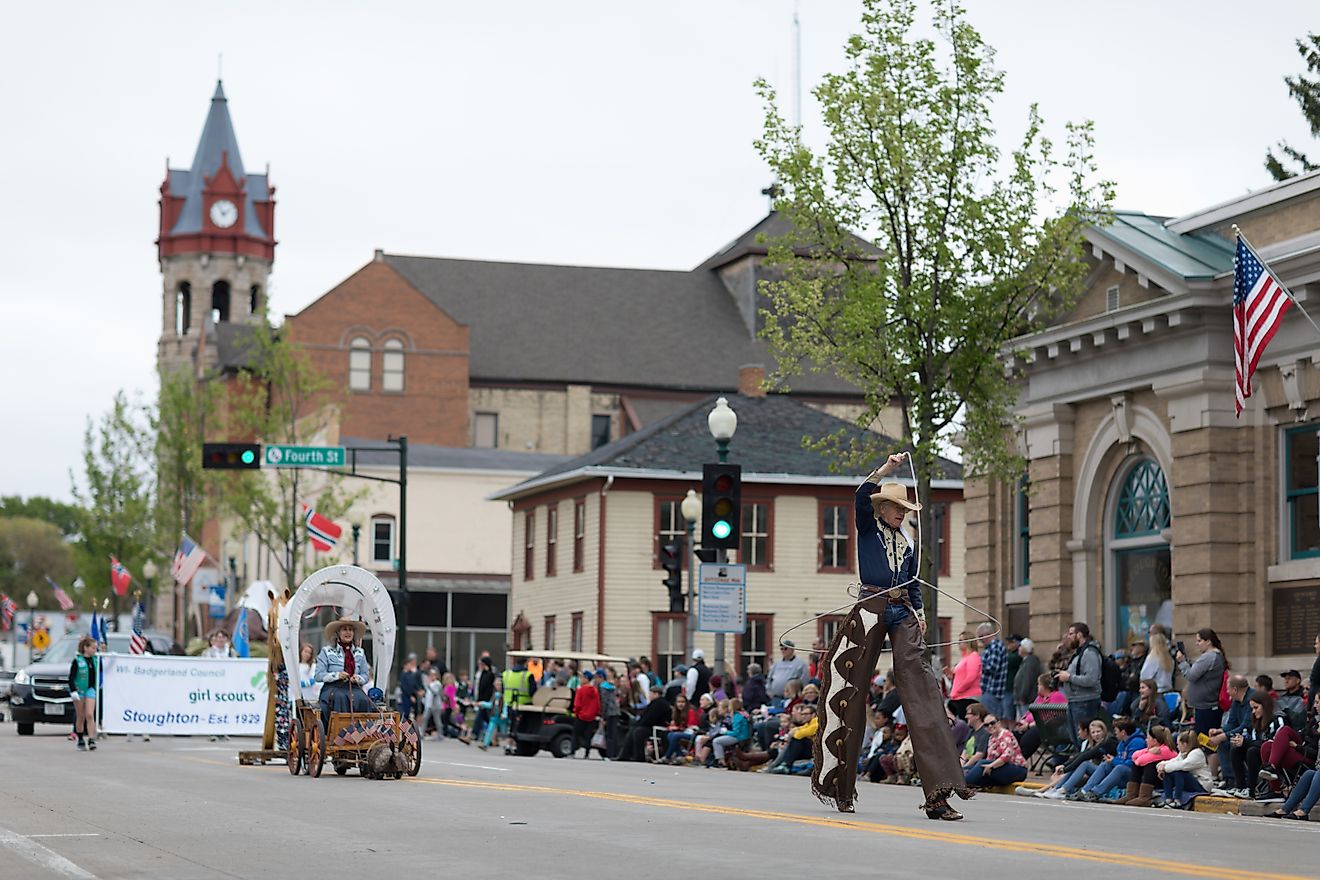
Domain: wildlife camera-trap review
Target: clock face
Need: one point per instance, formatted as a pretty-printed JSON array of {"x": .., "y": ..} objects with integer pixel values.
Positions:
[{"x": 223, "y": 213}]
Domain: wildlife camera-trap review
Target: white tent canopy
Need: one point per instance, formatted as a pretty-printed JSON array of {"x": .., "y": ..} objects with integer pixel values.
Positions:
[{"x": 361, "y": 595}]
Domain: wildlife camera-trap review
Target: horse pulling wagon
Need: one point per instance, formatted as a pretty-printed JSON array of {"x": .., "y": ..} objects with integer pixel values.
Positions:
[{"x": 378, "y": 744}]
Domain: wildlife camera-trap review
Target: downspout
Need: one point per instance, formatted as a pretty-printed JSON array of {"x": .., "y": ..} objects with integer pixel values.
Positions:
[{"x": 600, "y": 571}]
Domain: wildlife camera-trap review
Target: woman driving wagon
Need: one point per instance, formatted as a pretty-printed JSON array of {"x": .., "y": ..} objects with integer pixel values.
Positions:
[{"x": 342, "y": 669}]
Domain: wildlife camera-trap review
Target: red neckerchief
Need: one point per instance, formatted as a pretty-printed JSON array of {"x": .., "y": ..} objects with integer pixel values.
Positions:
[{"x": 349, "y": 666}]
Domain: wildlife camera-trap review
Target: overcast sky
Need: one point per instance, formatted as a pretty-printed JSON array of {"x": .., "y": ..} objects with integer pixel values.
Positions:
[{"x": 599, "y": 133}]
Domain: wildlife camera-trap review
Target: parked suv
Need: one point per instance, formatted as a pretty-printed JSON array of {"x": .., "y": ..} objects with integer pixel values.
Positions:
[{"x": 40, "y": 693}]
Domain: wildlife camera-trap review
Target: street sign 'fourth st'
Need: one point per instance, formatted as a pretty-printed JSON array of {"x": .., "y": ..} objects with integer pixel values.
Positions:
[{"x": 304, "y": 456}]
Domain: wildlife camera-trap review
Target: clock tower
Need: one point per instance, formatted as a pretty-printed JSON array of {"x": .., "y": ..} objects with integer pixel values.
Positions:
[{"x": 216, "y": 246}]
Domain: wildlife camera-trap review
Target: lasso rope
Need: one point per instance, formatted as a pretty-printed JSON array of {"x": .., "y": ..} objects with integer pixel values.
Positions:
[{"x": 858, "y": 598}]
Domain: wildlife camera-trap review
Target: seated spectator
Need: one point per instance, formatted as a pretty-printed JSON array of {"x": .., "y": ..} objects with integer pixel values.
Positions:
[
  {"x": 754, "y": 695},
  {"x": 739, "y": 735},
  {"x": 656, "y": 713},
  {"x": 1115, "y": 771},
  {"x": 717, "y": 725},
  {"x": 1146, "y": 777},
  {"x": 811, "y": 693},
  {"x": 682, "y": 728},
  {"x": 1186, "y": 775},
  {"x": 717, "y": 687},
  {"x": 1291, "y": 702},
  {"x": 881, "y": 743},
  {"x": 888, "y": 697},
  {"x": 1303, "y": 799},
  {"x": 961, "y": 730},
  {"x": 1262, "y": 728},
  {"x": 677, "y": 683},
  {"x": 1234, "y": 722},
  {"x": 1151, "y": 708},
  {"x": 901, "y": 766},
  {"x": 1003, "y": 763},
  {"x": 797, "y": 745},
  {"x": 978, "y": 744},
  {"x": 1097, "y": 743},
  {"x": 1266, "y": 683},
  {"x": 1025, "y": 730},
  {"x": 1288, "y": 749}
]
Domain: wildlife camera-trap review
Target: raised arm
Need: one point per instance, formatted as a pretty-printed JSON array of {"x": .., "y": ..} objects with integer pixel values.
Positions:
[{"x": 864, "y": 510}]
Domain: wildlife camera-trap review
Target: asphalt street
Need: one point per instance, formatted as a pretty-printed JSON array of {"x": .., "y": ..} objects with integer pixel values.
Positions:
[{"x": 183, "y": 808}]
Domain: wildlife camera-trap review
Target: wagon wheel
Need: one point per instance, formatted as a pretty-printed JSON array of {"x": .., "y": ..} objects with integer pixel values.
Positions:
[
  {"x": 294, "y": 757},
  {"x": 341, "y": 767},
  {"x": 415, "y": 752},
  {"x": 315, "y": 749}
]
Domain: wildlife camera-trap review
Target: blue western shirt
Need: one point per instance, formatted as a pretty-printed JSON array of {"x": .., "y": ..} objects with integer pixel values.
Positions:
[{"x": 885, "y": 556}]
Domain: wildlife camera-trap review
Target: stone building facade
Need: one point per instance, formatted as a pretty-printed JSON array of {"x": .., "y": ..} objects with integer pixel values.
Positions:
[{"x": 1146, "y": 499}]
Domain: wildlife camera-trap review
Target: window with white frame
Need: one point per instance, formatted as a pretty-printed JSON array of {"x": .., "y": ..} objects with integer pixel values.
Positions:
[
  {"x": 575, "y": 633},
  {"x": 550, "y": 632},
  {"x": 486, "y": 430},
  {"x": 754, "y": 546},
  {"x": 391, "y": 376},
  {"x": 579, "y": 534},
  {"x": 382, "y": 539},
  {"x": 672, "y": 526},
  {"x": 1301, "y": 494},
  {"x": 359, "y": 364},
  {"x": 551, "y": 539},
  {"x": 529, "y": 545},
  {"x": 834, "y": 536},
  {"x": 668, "y": 632}
]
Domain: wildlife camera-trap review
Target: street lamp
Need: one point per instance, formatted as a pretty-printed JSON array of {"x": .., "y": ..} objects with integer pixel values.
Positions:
[
  {"x": 149, "y": 572},
  {"x": 32, "y": 600},
  {"x": 691, "y": 509},
  {"x": 723, "y": 422}
]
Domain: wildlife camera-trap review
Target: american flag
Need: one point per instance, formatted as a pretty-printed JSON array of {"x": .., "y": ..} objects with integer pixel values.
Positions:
[
  {"x": 322, "y": 532},
  {"x": 187, "y": 560},
  {"x": 137, "y": 643},
  {"x": 8, "y": 608},
  {"x": 62, "y": 597},
  {"x": 1259, "y": 302}
]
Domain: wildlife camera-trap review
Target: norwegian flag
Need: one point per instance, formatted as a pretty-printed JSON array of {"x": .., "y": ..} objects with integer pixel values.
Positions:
[
  {"x": 66, "y": 604},
  {"x": 137, "y": 643},
  {"x": 1259, "y": 303},
  {"x": 322, "y": 532},
  {"x": 8, "y": 608},
  {"x": 119, "y": 577},
  {"x": 187, "y": 560}
]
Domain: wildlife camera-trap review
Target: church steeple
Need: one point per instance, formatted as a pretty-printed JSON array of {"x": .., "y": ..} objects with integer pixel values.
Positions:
[{"x": 216, "y": 245}]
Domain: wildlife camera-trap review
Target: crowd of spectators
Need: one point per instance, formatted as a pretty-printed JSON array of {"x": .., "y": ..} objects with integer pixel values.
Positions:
[{"x": 1156, "y": 724}]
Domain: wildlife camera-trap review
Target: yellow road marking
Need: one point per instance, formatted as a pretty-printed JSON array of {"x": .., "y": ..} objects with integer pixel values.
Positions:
[{"x": 1206, "y": 872}]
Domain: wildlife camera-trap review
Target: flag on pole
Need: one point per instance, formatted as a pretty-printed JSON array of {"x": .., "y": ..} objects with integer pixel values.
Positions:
[
  {"x": 241, "y": 634},
  {"x": 322, "y": 532},
  {"x": 96, "y": 629},
  {"x": 1259, "y": 303},
  {"x": 8, "y": 608},
  {"x": 137, "y": 643},
  {"x": 62, "y": 597},
  {"x": 187, "y": 560},
  {"x": 119, "y": 577}
]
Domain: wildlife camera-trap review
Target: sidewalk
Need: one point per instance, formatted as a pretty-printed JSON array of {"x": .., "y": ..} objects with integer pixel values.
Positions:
[{"x": 1206, "y": 803}]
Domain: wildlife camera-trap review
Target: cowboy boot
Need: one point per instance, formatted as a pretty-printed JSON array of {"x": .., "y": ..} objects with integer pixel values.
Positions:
[
  {"x": 1144, "y": 799},
  {"x": 1132, "y": 788}
]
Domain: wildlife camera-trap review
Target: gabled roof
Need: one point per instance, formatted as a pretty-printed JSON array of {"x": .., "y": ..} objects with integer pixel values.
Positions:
[
  {"x": 1189, "y": 256},
  {"x": 645, "y": 328},
  {"x": 218, "y": 144},
  {"x": 425, "y": 455},
  {"x": 1247, "y": 203},
  {"x": 768, "y": 444},
  {"x": 757, "y": 240}
]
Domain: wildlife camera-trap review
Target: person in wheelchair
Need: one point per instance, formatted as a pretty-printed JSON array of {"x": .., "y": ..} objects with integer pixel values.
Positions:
[{"x": 342, "y": 669}]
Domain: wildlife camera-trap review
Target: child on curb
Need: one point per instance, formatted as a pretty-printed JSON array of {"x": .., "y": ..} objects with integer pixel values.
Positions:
[
  {"x": 1185, "y": 776},
  {"x": 82, "y": 685}
]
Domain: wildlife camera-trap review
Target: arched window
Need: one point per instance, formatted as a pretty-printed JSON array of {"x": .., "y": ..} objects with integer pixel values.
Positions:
[
  {"x": 220, "y": 302},
  {"x": 1143, "y": 503},
  {"x": 1140, "y": 582},
  {"x": 392, "y": 366},
  {"x": 359, "y": 364},
  {"x": 183, "y": 309},
  {"x": 254, "y": 300}
]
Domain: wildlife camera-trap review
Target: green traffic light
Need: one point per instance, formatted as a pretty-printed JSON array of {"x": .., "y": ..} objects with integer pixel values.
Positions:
[
  {"x": 721, "y": 529},
  {"x": 248, "y": 456}
]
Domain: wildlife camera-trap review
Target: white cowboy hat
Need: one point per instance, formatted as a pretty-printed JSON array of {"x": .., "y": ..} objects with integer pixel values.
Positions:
[
  {"x": 895, "y": 492},
  {"x": 332, "y": 630}
]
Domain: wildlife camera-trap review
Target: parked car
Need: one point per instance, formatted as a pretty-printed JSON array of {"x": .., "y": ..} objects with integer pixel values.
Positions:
[{"x": 40, "y": 691}]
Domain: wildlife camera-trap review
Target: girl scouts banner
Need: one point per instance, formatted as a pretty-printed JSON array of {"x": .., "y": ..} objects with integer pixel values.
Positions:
[{"x": 148, "y": 693}]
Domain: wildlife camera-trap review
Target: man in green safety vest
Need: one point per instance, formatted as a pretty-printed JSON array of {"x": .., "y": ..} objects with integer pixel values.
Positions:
[{"x": 519, "y": 685}]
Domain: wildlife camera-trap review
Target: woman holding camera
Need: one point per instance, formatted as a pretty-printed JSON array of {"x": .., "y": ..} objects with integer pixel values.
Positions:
[{"x": 1205, "y": 678}]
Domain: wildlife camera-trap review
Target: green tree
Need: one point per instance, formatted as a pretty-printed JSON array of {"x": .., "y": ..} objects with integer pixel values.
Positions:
[
  {"x": 1306, "y": 92},
  {"x": 968, "y": 249},
  {"x": 184, "y": 409},
  {"x": 31, "y": 550},
  {"x": 117, "y": 496},
  {"x": 65, "y": 517},
  {"x": 280, "y": 398}
]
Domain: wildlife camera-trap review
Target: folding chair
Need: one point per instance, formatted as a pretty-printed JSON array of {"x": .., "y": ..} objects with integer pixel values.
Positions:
[{"x": 1055, "y": 738}]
